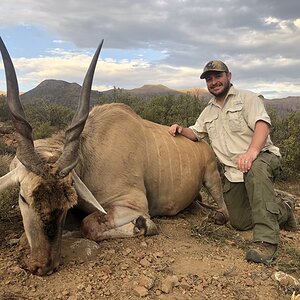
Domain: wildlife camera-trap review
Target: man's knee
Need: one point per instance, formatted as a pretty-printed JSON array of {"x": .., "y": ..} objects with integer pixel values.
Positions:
[
  {"x": 267, "y": 166},
  {"x": 241, "y": 224}
]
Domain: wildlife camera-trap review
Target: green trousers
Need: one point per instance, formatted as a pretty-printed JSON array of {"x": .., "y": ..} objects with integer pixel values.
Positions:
[{"x": 253, "y": 204}]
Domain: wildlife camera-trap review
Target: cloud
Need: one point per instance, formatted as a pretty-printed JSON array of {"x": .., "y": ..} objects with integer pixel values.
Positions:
[
  {"x": 258, "y": 39},
  {"x": 71, "y": 67},
  {"x": 297, "y": 23}
]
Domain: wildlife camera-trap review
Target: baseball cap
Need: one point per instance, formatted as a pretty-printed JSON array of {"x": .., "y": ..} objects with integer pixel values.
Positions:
[{"x": 214, "y": 65}]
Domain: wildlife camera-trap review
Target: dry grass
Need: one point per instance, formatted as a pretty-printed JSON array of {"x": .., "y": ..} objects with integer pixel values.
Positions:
[{"x": 9, "y": 197}]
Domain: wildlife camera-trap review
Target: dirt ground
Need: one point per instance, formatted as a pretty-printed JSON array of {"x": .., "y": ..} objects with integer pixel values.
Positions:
[{"x": 191, "y": 258}]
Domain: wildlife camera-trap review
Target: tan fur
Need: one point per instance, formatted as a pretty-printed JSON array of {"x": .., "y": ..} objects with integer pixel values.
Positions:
[
  {"x": 53, "y": 195},
  {"x": 134, "y": 165}
]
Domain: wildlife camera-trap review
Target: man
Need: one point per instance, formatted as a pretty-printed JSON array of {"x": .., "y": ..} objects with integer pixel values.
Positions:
[{"x": 238, "y": 127}]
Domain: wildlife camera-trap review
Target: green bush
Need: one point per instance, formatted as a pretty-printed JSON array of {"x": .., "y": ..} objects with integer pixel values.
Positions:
[
  {"x": 4, "y": 115},
  {"x": 43, "y": 130},
  {"x": 5, "y": 161},
  {"x": 8, "y": 203},
  {"x": 6, "y": 149},
  {"x": 286, "y": 135},
  {"x": 46, "y": 117}
]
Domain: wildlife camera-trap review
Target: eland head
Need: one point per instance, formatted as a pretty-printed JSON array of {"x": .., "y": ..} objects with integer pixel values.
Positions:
[{"x": 49, "y": 186}]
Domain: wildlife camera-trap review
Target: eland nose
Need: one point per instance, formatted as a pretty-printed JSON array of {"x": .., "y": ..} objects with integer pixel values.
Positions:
[{"x": 40, "y": 269}]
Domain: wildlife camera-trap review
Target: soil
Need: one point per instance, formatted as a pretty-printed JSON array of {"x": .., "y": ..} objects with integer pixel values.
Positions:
[{"x": 191, "y": 258}]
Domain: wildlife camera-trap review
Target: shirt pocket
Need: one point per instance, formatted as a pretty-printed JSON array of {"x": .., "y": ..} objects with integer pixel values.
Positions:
[
  {"x": 211, "y": 127},
  {"x": 235, "y": 118}
]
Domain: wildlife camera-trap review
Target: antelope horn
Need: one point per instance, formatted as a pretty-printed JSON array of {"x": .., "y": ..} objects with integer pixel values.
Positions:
[
  {"x": 25, "y": 148},
  {"x": 69, "y": 157}
]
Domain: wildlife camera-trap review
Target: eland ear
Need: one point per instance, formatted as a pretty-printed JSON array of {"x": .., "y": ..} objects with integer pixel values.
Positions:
[
  {"x": 85, "y": 194},
  {"x": 9, "y": 179}
]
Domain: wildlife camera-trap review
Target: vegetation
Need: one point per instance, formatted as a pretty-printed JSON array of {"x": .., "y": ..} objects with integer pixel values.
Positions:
[
  {"x": 6, "y": 149},
  {"x": 183, "y": 109},
  {"x": 9, "y": 197},
  {"x": 4, "y": 116},
  {"x": 286, "y": 135},
  {"x": 47, "y": 117}
]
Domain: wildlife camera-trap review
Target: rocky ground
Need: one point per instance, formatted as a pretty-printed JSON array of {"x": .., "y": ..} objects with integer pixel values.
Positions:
[{"x": 191, "y": 258}]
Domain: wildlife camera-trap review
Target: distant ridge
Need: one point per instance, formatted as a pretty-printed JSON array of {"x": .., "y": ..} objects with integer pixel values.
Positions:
[
  {"x": 287, "y": 104},
  {"x": 57, "y": 91},
  {"x": 67, "y": 94},
  {"x": 149, "y": 90},
  {"x": 195, "y": 91}
]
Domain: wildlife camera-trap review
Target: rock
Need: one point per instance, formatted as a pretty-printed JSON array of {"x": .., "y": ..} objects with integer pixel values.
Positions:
[
  {"x": 145, "y": 263},
  {"x": 147, "y": 282},
  {"x": 88, "y": 289},
  {"x": 199, "y": 288},
  {"x": 106, "y": 269},
  {"x": 127, "y": 251},
  {"x": 13, "y": 242},
  {"x": 286, "y": 279},
  {"x": 144, "y": 244},
  {"x": 140, "y": 291},
  {"x": 168, "y": 284},
  {"x": 79, "y": 250},
  {"x": 249, "y": 282},
  {"x": 158, "y": 254}
]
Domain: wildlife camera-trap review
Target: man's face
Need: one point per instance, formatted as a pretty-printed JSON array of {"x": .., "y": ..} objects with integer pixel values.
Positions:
[{"x": 218, "y": 83}]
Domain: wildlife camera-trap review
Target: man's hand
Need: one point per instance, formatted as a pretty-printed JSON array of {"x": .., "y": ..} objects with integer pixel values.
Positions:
[
  {"x": 175, "y": 129},
  {"x": 245, "y": 161}
]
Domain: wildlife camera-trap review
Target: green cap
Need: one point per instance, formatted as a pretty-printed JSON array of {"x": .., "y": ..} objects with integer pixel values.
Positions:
[{"x": 214, "y": 65}]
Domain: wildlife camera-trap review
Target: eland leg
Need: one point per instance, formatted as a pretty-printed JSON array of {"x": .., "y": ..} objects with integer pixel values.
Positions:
[{"x": 119, "y": 222}]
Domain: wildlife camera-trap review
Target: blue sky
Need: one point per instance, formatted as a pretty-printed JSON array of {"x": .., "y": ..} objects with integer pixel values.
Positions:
[{"x": 154, "y": 42}]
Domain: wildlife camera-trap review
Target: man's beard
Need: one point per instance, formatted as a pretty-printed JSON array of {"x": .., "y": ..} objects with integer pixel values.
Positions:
[{"x": 224, "y": 92}]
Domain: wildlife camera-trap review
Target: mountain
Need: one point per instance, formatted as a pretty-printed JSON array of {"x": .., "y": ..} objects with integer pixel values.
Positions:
[
  {"x": 148, "y": 90},
  {"x": 67, "y": 94},
  {"x": 284, "y": 105},
  {"x": 153, "y": 90},
  {"x": 57, "y": 91}
]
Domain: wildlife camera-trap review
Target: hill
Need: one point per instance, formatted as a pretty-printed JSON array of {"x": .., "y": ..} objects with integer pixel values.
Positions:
[
  {"x": 284, "y": 105},
  {"x": 67, "y": 94},
  {"x": 153, "y": 90},
  {"x": 57, "y": 91}
]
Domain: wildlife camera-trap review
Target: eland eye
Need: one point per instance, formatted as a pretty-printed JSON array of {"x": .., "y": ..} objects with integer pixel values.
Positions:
[{"x": 24, "y": 200}]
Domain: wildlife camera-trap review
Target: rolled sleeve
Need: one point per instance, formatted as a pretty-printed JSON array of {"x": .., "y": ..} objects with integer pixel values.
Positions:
[
  {"x": 199, "y": 128},
  {"x": 256, "y": 111}
]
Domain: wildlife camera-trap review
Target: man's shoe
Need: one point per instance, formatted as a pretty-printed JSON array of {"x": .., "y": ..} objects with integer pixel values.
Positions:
[
  {"x": 291, "y": 223},
  {"x": 262, "y": 252}
]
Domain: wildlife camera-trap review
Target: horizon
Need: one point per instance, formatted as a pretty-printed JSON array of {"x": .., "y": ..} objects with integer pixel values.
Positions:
[{"x": 184, "y": 90}]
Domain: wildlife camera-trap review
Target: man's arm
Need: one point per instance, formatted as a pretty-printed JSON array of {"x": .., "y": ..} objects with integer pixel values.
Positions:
[{"x": 260, "y": 135}]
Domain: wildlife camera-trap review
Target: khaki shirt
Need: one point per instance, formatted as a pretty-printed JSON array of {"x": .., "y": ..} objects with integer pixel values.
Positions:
[{"x": 230, "y": 129}]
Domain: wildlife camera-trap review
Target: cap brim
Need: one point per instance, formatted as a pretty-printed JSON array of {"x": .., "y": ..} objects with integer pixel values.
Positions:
[{"x": 202, "y": 76}]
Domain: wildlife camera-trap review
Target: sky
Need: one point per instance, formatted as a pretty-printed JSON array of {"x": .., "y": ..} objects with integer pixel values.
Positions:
[{"x": 154, "y": 42}]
